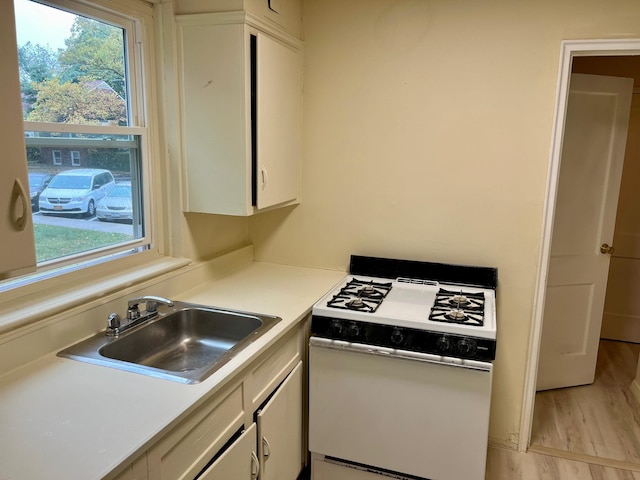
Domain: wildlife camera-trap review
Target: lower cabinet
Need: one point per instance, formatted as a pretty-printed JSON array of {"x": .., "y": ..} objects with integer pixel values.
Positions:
[
  {"x": 278, "y": 441},
  {"x": 252, "y": 429},
  {"x": 238, "y": 462},
  {"x": 280, "y": 430}
]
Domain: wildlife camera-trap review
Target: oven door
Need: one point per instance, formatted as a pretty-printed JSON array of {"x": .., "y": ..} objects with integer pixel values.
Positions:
[{"x": 401, "y": 411}]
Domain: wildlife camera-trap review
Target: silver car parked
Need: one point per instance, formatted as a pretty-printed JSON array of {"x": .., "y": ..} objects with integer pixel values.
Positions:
[
  {"x": 116, "y": 205},
  {"x": 76, "y": 191}
]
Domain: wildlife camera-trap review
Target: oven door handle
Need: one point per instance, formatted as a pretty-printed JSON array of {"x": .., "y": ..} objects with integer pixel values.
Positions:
[{"x": 400, "y": 354}]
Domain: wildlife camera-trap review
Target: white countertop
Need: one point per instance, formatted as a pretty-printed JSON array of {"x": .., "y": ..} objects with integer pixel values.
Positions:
[{"x": 64, "y": 419}]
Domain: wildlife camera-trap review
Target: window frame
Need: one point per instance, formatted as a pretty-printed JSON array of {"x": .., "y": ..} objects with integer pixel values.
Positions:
[
  {"x": 137, "y": 18},
  {"x": 74, "y": 154},
  {"x": 57, "y": 157},
  {"x": 133, "y": 51}
]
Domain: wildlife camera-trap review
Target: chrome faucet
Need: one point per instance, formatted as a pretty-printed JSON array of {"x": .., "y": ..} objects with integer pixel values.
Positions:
[
  {"x": 151, "y": 301},
  {"x": 134, "y": 317}
]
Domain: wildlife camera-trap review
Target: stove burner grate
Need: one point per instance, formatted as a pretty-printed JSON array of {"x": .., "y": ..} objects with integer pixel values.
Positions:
[
  {"x": 458, "y": 307},
  {"x": 360, "y": 295},
  {"x": 459, "y": 299}
]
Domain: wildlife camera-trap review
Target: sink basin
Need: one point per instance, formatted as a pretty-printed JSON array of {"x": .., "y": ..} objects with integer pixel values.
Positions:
[{"x": 184, "y": 343}]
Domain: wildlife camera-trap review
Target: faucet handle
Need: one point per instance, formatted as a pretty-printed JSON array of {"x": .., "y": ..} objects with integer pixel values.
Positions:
[
  {"x": 133, "y": 312},
  {"x": 113, "y": 320},
  {"x": 113, "y": 324}
]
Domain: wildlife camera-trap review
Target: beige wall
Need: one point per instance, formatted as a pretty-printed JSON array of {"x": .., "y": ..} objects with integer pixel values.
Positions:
[{"x": 427, "y": 135}]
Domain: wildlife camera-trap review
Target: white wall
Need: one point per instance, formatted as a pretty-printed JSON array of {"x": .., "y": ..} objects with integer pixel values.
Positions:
[{"x": 426, "y": 136}]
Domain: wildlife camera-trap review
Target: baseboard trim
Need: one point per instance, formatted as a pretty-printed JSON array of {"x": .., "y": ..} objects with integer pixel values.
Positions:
[
  {"x": 624, "y": 328},
  {"x": 581, "y": 457}
]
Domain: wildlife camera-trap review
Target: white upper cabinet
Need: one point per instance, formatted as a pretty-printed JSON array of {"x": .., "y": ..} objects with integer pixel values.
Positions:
[
  {"x": 17, "y": 254},
  {"x": 285, "y": 15},
  {"x": 241, "y": 105}
]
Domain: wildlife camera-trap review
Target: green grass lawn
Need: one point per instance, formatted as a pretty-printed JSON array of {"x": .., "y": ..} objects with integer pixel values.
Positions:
[{"x": 55, "y": 242}]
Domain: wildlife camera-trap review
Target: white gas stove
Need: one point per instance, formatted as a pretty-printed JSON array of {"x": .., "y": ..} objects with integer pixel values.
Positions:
[
  {"x": 400, "y": 371},
  {"x": 416, "y": 314},
  {"x": 419, "y": 304}
]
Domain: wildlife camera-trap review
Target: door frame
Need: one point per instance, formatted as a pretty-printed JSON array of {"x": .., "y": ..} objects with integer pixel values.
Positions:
[{"x": 568, "y": 50}]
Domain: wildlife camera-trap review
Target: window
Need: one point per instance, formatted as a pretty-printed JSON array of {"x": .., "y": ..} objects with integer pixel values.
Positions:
[
  {"x": 83, "y": 110},
  {"x": 75, "y": 158}
]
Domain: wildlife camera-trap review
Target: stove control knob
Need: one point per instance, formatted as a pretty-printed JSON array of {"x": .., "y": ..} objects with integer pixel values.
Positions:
[
  {"x": 396, "y": 336},
  {"x": 353, "y": 330},
  {"x": 444, "y": 344},
  {"x": 466, "y": 346},
  {"x": 335, "y": 327}
]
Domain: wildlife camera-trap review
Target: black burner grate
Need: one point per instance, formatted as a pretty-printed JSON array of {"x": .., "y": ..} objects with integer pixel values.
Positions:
[
  {"x": 458, "y": 307},
  {"x": 360, "y": 295}
]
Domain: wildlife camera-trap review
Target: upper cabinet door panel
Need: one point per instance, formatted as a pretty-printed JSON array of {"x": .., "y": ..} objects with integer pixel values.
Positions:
[
  {"x": 279, "y": 117},
  {"x": 214, "y": 93},
  {"x": 17, "y": 254}
]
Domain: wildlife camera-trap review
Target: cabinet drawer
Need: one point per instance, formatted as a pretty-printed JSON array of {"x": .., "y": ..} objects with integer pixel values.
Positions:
[
  {"x": 271, "y": 371},
  {"x": 185, "y": 451}
]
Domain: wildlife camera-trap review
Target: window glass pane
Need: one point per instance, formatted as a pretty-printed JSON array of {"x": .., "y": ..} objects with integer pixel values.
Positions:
[
  {"x": 72, "y": 71},
  {"x": 85, "y": 179},
  {"x": 80, "y": 209}
]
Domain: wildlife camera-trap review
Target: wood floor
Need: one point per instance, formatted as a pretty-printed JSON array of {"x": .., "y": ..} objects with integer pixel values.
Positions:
[
  {"x": 589, "y": 432},
  {"x": 511, "y": 465},
  {"x": 600, "y": 420}
]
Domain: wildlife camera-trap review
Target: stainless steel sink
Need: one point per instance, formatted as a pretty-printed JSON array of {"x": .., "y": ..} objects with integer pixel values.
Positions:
[{"x": 184, "y": 343}]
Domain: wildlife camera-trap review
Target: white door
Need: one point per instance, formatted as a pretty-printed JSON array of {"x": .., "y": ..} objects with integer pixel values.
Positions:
[
  {"x": 239, "y": 462},
  {"x": 588, "y": 186},
  {"x": 280, "y": 431}
]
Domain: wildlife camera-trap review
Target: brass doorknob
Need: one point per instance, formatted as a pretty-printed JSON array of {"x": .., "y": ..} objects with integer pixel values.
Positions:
[{"x": 606, "y": 249}]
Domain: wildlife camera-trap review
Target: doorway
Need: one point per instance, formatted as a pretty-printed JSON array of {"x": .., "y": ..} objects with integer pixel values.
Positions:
[{"x": 575, "y": 55}]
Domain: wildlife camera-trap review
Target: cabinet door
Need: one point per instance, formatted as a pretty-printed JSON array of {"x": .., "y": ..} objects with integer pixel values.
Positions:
[
  {"x": 17, "y": 254},
  {"x": 280, "y": 431},
  {"x": 238, "y": 462},
  {"x": 187, "y": 449},
  {"x": 214, "y": 92},
  {"x": 279, "y": 121}
]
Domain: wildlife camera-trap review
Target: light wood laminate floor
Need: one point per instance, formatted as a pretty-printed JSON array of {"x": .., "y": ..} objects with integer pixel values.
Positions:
[
  {"x": 511, "y": 465},
  {"x": 599, "y": 420}
]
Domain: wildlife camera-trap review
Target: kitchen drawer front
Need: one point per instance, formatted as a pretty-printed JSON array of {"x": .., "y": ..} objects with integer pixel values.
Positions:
[
  {"x": 185, "y": 451},
  {"x": 273, "y": 369}
]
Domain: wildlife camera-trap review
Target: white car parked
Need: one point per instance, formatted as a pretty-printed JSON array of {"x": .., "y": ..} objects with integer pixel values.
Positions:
[
  {"x": 117, "y": 204},
  {"x": 76, "y": 191}
]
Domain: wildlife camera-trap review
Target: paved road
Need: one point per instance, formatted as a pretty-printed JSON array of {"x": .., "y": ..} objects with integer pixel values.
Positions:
[{"x": 84, "y": 223}]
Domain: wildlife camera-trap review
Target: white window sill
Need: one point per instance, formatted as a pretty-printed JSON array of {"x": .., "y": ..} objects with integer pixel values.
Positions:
[{"x": 27, "y": 305}]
